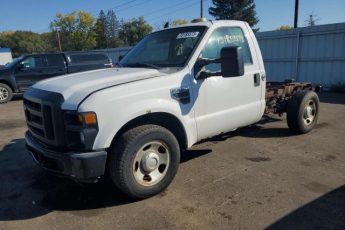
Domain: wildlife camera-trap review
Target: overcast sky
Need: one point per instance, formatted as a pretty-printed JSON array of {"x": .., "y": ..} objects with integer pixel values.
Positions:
[{"x": 35, "y": 15}]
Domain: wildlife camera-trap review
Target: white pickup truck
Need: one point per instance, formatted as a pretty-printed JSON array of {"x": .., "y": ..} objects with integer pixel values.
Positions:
[{"x": 176, "y": 87}]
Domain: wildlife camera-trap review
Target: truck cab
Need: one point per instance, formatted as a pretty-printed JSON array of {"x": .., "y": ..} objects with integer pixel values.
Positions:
[
  {"x": 29, "y": 69},
  {"x": 176, "y": 87}
]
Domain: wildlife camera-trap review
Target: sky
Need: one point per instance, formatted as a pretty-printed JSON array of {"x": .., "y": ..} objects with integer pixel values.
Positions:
[{"x": 35, "y": 15}]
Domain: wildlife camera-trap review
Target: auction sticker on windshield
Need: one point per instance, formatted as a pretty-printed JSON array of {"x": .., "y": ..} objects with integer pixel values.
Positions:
[{"x": 187, "y": 35}]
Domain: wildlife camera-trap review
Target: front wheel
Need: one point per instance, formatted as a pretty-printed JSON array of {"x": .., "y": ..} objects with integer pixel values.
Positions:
[
  {"x": 144, "y": 160},
  {"x": 6, "y": 93},
  {"x": 303, "y": 111}
]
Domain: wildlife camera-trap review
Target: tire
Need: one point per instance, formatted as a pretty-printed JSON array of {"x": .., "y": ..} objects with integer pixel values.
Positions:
[
  {"x": 303, "y": 111},
  {"x": 6, "y": 93},
  {"x": 133, "y": 161}
]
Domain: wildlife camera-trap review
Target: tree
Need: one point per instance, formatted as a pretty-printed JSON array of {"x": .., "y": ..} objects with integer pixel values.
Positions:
[
  {"x": 100, "y": 31},
  {"x": 285, "y": 28},
  {"x": 178, "y": 22},
  {"x": 50, "y": 41},
  {"x": 312, "y": 19},
  {"x": 23, "y": 42},
  {"x": 134, "y": 30},
  {"x": 76, "y": 29},
  {"x": 170, "y": 23},
  {"x": 243, "y": 10},
  {"x": 112, "y": 28}
]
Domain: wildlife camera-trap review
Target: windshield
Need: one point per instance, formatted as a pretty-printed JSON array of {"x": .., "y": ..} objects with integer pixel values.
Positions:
[{"x": 166, "y": 48}]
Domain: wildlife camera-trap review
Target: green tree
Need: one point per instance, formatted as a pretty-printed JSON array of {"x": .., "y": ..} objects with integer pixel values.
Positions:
[
  {"x": 76, "y": 29},
  {"x": 112, "y": 28},
  {"x": 23, "y": 42},
  {"x": 51, "y": 41},
  {"x": 178, "y": 22},
  {"x": 134, "y": 30},
  {"x": 100, "y": 31},
  {"x": 243, "y": 10},
  {"x": 170, "y": 23}
]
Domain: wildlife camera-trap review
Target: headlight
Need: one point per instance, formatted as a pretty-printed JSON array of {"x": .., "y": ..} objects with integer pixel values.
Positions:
[{"x": 81, "y": 129}]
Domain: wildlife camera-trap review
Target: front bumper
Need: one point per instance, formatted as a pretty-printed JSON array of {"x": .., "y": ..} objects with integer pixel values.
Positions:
[{"x": 81, "y": 166}]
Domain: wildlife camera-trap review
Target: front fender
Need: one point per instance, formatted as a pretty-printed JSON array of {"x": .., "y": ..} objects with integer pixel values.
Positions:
[{"x": 112, "y": 115}]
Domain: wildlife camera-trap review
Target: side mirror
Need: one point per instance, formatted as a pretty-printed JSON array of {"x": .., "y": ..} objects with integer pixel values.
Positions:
[
  {"x": 231, "y": 61},
  {"x": 21, "y": 66}
]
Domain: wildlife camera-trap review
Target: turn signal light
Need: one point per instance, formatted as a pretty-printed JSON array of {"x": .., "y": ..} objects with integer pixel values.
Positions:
[{"x": 88, "y": 118}]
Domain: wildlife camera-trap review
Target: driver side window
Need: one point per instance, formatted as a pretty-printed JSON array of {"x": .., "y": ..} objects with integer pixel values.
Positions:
[
  {"x": 223, "y": 37},
  {"x": 32, "y": 62}
]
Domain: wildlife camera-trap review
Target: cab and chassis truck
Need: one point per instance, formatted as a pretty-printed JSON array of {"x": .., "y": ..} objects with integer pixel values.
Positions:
[{"x": 176, "y": 87}]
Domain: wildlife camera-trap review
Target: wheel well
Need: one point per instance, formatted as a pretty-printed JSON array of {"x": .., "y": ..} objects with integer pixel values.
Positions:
[
  {"x": 7, "y": 83},
  {"x": 165, "y": 120}
]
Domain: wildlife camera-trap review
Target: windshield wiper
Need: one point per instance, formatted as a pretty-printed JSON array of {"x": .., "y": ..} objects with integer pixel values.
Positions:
[{"x": 142, "y": 64}]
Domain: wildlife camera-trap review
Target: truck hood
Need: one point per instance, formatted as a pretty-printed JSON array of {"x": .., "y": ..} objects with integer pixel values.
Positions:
[
  {"x": 4, "y": 71},
  {"x": 75, "y": 87}
]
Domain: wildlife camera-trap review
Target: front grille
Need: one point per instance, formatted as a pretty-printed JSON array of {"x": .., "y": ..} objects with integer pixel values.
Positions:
[
  {"x": 32, "y": 105},
  {"x": 48, "y": 122},
  {"x": 39, "y": 119}
]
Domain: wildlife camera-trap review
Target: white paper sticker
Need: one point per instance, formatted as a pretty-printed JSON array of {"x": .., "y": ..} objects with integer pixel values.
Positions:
[
  {"x": 230, "y": 39},
  {"x": 187, "y": 35}
]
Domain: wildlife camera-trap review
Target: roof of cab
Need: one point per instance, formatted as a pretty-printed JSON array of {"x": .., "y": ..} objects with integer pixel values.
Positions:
[{"x": 208, "y": 23}]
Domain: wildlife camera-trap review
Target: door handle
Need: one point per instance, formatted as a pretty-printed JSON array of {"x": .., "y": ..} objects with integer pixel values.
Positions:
[
  {"x": 256, "y": 79},
  {"x": 181, "y": 94}
]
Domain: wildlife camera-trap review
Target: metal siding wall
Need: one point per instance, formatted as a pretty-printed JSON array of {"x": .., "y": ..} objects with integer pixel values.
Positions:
[{"x": 321, "y": 56}]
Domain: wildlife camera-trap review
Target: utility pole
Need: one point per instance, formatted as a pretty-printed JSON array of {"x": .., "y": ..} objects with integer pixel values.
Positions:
[
  {"x": 201, "y": 8},
  {"x": 295, "y": 25},
  {"x": 58, "y": 37}
]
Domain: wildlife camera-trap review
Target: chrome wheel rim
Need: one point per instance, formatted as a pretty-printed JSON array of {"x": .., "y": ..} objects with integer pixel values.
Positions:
[
  {"x": 151, "y": 163},
  {"x": 309, "y": 112},
  {"x": 3, "y": 94}
]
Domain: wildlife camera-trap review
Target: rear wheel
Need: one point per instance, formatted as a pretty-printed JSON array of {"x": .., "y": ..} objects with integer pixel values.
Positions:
[
  {"x": 6, "y": 93},
  {"x": 303, "y": 111},
  {"x": 144, "y": 161}
]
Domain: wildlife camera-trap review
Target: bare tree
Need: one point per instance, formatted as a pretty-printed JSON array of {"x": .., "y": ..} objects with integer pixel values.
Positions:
[{"x": 312, "y": 19}]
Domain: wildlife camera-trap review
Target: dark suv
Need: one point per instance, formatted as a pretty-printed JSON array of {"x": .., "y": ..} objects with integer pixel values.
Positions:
[{"x": 26, "y": 70}]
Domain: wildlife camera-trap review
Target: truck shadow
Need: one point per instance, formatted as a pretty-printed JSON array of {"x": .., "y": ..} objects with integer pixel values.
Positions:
[
  {"x": 332, "y": 98},
  {"x": 257, "y": 130},
  {"x": 325, "y": 212},
  {"x": 17, "y": 97},
  {"x": 27, "y": 191}
]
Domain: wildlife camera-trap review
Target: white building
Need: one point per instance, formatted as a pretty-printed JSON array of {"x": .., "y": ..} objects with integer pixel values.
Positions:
[{"x": 5, "y": 56}]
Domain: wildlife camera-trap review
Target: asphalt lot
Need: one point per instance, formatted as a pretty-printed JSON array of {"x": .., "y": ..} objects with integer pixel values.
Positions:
[{"x": 257, "y": 177}]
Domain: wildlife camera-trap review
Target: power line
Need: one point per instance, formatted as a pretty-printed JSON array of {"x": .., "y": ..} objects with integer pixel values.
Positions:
[
  {"x": 166, "y": 8},
  {"x": 174, "y": 11},
  {"x": 123, "y": 4},
  {"x": 141, "y": 3},
  {"x": 118, "y": 7}
]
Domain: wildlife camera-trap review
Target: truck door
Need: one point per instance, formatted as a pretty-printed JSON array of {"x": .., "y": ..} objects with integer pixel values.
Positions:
[
  {"x": 29, "y": 71},
  {"x": 55, "y": 65},
  {"x": 224, "y": 104}
]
